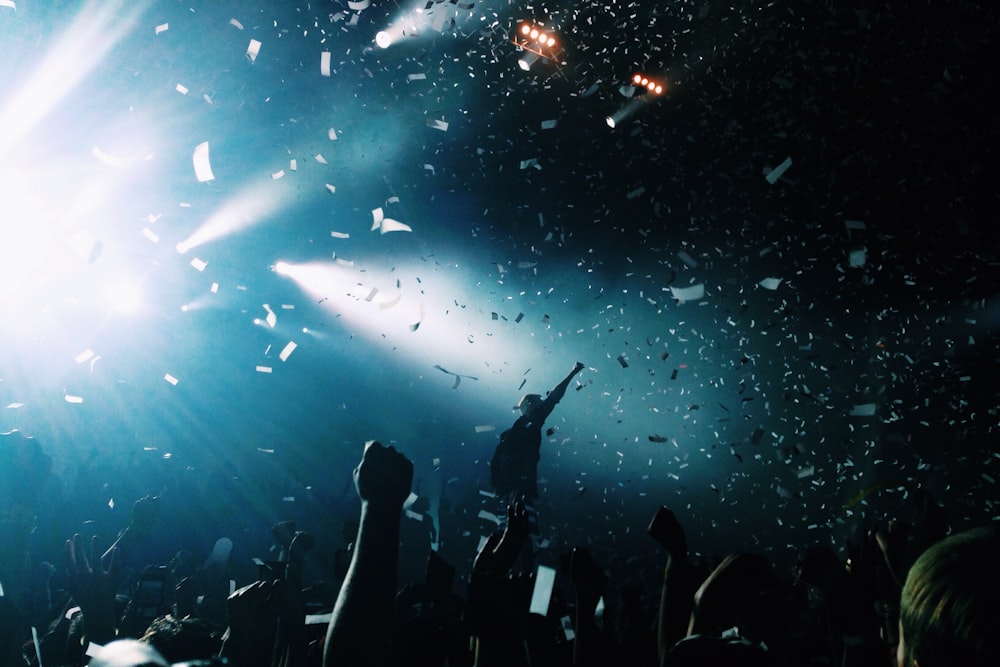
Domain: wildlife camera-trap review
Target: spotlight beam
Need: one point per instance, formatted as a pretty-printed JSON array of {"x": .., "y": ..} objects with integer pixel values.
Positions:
[
  {"x": 97, "y": 29},
  {"x": 245, "y": 209},
  {"x": 627, "y": 110}
]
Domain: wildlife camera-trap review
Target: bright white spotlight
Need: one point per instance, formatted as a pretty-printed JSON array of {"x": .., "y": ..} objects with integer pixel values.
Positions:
[
  {"x": 626, "y": 110},
  {"x": 123, "y": 297},
  {"x": 527, "y": 60},
  {"x": 383, "y": 39},
  {"x": 282, "y": 268},
  {"x": 182, "y": 248}
]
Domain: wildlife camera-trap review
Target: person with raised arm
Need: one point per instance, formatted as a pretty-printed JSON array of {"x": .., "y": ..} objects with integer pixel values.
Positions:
[
  {"x": 514, "y": 468},
  {"x": 358, "y": 635}
]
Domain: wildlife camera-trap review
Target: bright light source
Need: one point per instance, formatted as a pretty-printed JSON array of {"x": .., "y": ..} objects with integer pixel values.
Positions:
[
  {"x": 383, "y": 39},
  {"x": 182, "y": 248},
  {"x": 26, "y": 239},
  {"x": 627, "y": 110},
  {"x": 282, "y": 268},
  {"x": 639, "y": 79},
  {"x": 123, "y": 297},
  {"x": 536, "y": 39},
  {"x": 527, "y": 60}
]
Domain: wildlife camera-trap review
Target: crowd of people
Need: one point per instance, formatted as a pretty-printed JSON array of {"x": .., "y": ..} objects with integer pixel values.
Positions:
[{"x": 909, "y": 594}]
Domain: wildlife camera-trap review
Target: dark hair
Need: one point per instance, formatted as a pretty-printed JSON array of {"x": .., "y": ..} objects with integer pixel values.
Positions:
[
  {"x": 181, "y": 639},
  {"x": 948, "y": 611}
]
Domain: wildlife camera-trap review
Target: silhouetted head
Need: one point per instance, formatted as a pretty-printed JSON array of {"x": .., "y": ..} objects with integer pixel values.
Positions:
[
  {"x": 528, "y": 403},
  {"x": 948, "y": 613}
]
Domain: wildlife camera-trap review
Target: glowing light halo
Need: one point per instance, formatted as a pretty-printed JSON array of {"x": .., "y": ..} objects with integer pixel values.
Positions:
[
  {"x": 648, "y": 83},
  {"x": 96, "y": 30},
  {"x": 123, "y": 297},
  {"x": 27, "y": 235}
]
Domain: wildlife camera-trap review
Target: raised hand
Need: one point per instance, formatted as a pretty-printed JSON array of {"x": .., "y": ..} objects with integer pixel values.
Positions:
[
  {"x": 93, "y": 587},
  {"x": 667, "y": 530},
  {"x": 356, "y": 634},
  {"x": 384, "y": 476},
  {"x": 253, "y": 613},
  {"x": 500, "y": 551}
]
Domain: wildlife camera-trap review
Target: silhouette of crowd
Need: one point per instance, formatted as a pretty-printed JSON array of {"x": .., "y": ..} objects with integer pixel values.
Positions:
[{"x": 908, "y": 594}]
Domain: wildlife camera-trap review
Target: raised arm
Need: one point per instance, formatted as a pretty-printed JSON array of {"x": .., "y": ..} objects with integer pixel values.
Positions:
[
  {"x": 676, "y": 592},
  {"x": 558, "y": 392},
  {"x": 357, "y": 634},
  {"x": 497, "y": 609}
]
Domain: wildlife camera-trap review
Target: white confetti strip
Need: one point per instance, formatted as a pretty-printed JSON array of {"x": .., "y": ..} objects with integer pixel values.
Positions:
[
  {"x": 202, "y": 164},
  {"x": 776, "y": 173},
  {"x": 287, "y": 351},
  {"x": 692, "y": 293}
]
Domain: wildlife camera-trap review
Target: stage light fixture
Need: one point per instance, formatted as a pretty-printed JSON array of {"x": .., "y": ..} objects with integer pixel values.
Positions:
[
  {"x": 651, "y": 85},
  {"x": 628, "y": 109},
  {"x": 526, "y": 61},
  {"x": 538, "y": 42},
  {"x": 383, "y": 39}
]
